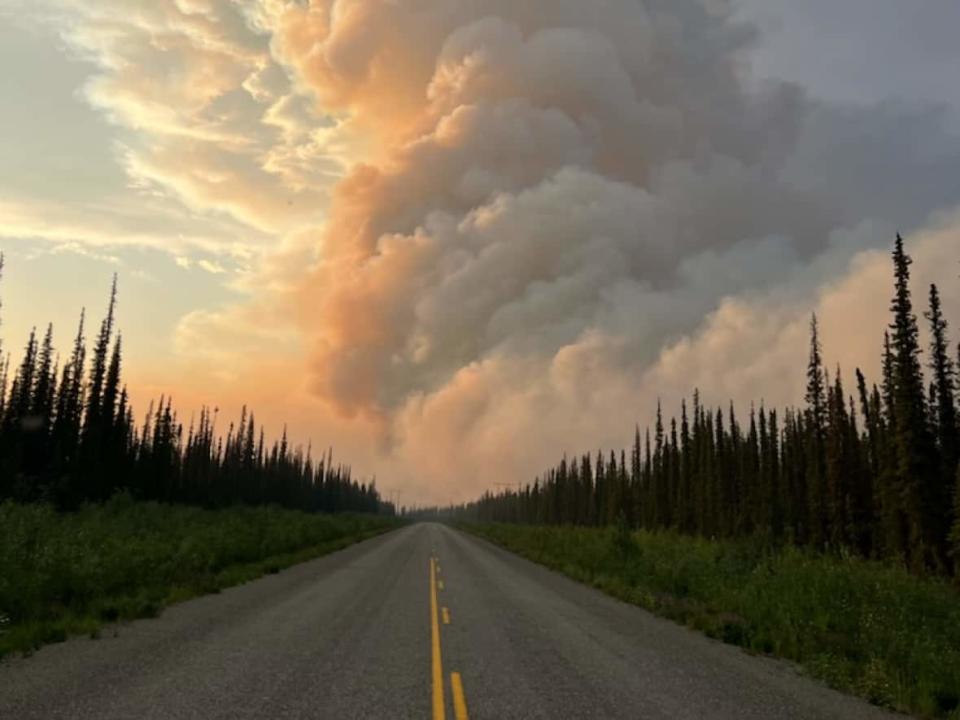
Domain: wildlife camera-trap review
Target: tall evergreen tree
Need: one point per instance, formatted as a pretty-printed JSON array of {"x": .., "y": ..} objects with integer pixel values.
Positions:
[
  {"x": 945, "y": 379},
  {"x": 816, "y": 398},
  {"x": 955, "y": 533},
  {"x": 98, "y": 370},
  {"x": 918, "y": 478}
]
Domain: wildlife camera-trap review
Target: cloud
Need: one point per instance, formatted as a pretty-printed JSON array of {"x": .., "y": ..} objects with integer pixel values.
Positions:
[
  {"x": 509, "y": 416},
  {"x": 566, "y": 204},
  {"x": 555, "y": 169},
  {"x": 204, "y": 111},
  {"x": 119, "y": 222},
  {"x": 209, "y": 266},
  {"x": 501, "y": 230},
  {"x": 216, "y": 337}
]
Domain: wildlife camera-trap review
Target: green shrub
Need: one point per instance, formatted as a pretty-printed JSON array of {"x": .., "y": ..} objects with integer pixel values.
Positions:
[
  {"x": 865, "y": 627},
  {"x": 63, "y": 574}
]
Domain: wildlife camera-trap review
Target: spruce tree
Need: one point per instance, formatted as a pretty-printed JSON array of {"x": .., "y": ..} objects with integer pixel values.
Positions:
[
  {"x": 945, "y": 378},
  {"x": 685, "y": 509},
  {"x": 718, "y": 482},
  {"x": 38, "y": 418},
  {"x": 42, "y": 401},
  {"x": 21, "y": 401},
  {"x": 776, "y": 489},
  {"x": 649, "y": 505},
  {"x": 955, "y": 534},
  {"x": 98, "y": 369},
  {"x": 816, "y": 439},
  {"x": 918, "y": 469},
  {"x": 671, "y": 517},
  {"x": 838, "y": 467},
  {"x": 109, "y": 411},
  {"x": 636, "y": 478}
]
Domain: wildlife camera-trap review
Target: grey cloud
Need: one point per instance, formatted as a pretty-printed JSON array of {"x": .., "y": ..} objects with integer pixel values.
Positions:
[{"x": 569, "y": 172}]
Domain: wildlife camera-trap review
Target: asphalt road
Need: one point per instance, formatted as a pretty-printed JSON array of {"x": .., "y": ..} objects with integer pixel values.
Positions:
[{"x": 422, "y": 623}]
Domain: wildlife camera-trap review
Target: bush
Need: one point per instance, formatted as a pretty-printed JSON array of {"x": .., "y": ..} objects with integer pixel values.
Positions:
[
  {"x": 865, "y": 627},
  {"x": 61, "y": 574}
]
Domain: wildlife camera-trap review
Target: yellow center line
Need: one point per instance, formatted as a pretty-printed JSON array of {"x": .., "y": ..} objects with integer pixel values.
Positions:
[
  {"x": 440, "y": 584},
  {"x": 459, "y": 701},
  {"x": 446, "y": 616},
  {"x": 439, "y": 708}
]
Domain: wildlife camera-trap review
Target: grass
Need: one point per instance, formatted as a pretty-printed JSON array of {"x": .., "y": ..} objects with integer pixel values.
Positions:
[
  {"x": 864, "y": 627},
  {"x": 68, "y": 574}
]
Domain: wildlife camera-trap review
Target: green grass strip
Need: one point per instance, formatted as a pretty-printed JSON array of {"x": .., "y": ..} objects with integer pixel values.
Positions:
[
  {"x": 868, "y": 628},
  {"x": 68, "y": 574}
]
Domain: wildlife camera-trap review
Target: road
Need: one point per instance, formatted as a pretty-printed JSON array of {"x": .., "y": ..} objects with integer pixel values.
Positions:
[{"x": 424, "y": 622}]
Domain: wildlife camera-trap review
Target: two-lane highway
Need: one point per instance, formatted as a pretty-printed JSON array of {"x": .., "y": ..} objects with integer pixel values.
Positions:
[{"x": 425, "y": 622}]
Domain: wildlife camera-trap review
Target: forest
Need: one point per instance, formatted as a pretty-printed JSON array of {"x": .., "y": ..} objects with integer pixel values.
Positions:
[
  {"x": 68, "y": 436},
  {"x": 873, "y": 472}
]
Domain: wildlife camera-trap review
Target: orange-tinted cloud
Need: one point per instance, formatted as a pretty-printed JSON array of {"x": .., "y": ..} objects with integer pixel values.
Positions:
[
  {"x": 550, "y": 213},
  {"x": 566, "y": 210}
]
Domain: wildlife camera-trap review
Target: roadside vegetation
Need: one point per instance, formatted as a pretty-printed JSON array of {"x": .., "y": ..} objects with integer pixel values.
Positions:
[
  {"x": 865, "y": 627},
  {"x": 63, "y": 574},
  {"x": 104, "y": 516}
]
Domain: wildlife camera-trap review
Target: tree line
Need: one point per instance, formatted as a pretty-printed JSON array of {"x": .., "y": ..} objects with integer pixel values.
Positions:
[
  {"x": 68, "y": 435},
  {"x": 873, "y": 471}
]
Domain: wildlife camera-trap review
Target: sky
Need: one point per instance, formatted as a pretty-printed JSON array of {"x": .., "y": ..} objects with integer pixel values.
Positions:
[{"x": 454, "y": 239}]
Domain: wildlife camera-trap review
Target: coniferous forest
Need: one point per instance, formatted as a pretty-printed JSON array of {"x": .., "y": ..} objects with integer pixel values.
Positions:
[
  {"x": 871, "y": 469},
  {"x": 68, "y": 436}
]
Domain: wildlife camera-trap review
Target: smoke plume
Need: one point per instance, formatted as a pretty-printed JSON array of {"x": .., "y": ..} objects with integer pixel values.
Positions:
[
  {"x": 553, "y": 212},
  {"x": 560, "y": 196}
]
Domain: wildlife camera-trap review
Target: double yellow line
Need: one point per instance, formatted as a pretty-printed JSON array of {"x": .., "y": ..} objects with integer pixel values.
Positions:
[{"x": 456, "y": 684}]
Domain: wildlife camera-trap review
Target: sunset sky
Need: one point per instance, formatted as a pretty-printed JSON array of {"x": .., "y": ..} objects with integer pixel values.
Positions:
[{"x": 456, "y": 238}]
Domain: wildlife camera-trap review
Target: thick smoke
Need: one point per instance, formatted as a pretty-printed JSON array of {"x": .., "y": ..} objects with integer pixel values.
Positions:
[
  {"x": 565, "y": 210},
  {"x": 557, "y": 191},
  {"x": 549, "y": 169}
]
